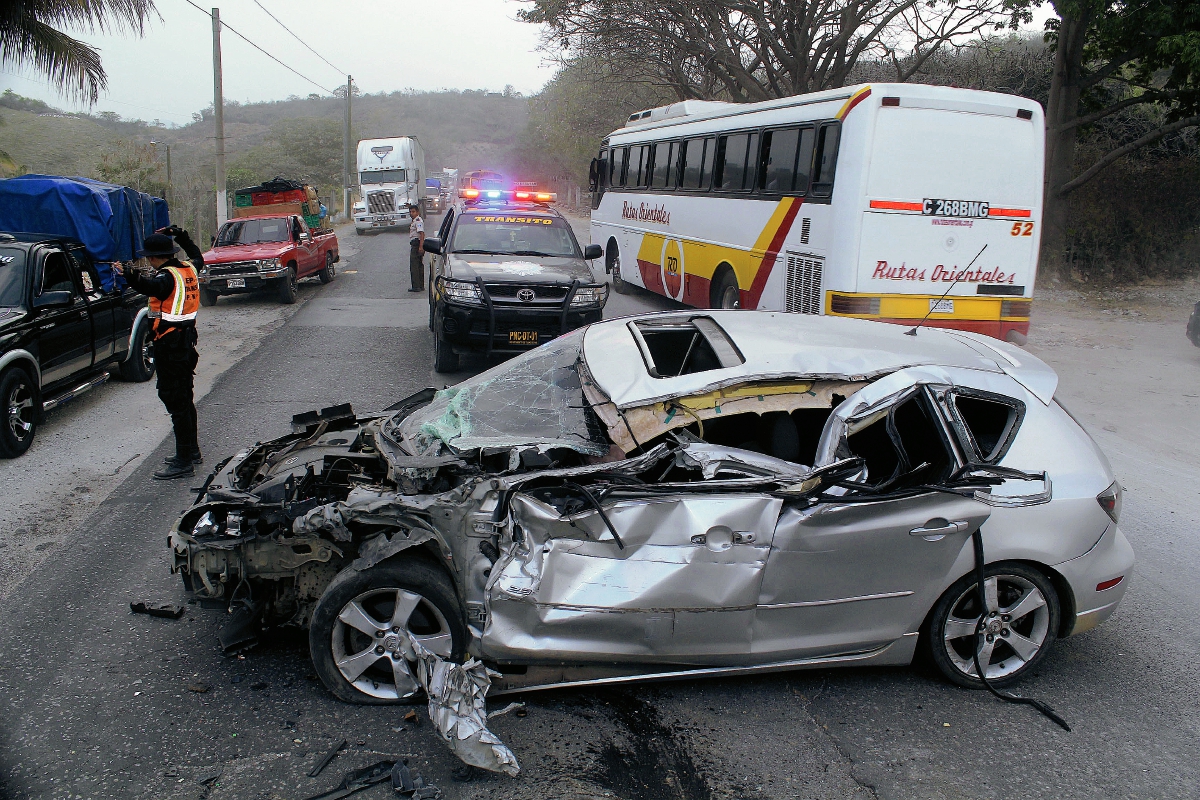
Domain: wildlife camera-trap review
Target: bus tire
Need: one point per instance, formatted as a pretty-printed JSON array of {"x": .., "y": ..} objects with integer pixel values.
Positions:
[
  {"x": 613, "y": 265},
  {"x": 725, "y": 291}
]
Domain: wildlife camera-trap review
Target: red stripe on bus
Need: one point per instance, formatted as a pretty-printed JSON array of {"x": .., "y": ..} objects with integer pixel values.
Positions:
[
  {"x": 750, "y": 298},
  {"x": 895, "y": 205},
  {"x": 852, "y": 103},
  {"x": 1009, "y": 212},
  {"x": 651, "y": 276}
]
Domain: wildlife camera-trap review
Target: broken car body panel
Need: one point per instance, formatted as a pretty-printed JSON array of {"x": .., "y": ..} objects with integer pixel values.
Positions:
[{"x": 678, "y": 494}]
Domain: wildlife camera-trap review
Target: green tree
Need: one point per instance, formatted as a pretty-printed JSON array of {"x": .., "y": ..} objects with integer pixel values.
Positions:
[
  {"x": 133, "y": 164},
  {"x": 31, "y": 36},
  {"x": 307, "y": 149},
  {"x": 1134, "y": 62}
]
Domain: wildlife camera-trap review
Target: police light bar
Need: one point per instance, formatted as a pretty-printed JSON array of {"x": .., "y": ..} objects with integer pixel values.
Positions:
[{"x": 498, "y": 194}]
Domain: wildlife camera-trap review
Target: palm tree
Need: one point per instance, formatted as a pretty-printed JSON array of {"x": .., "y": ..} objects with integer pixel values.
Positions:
[{"x": 31, "y": 35}]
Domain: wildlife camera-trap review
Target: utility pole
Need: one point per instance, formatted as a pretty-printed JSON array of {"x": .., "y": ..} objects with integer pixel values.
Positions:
[
  {"x": 219, "y": 114},
  {"x": 346, "y": 162}
]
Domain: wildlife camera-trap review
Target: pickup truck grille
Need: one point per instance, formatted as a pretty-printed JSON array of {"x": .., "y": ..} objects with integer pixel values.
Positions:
[
  {"x": 507, "y": 293},
  {"x": 235, "y": 268},
  {"x": 381, "y": 202}
]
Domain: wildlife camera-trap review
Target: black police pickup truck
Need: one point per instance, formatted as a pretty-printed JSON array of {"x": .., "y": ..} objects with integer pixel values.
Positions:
[
  {"x": 506, "y": 275},
  {"x": 60, "y": 332}
]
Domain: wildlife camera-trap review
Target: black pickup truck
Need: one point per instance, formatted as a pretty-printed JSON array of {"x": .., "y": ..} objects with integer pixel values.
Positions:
[{"x": 61, "y": 334}]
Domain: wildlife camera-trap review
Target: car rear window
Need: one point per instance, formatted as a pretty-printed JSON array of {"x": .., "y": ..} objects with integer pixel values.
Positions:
[
  {"x": 514, "y": 234},
  {"x": 12, "y": 277},
  {"x": 990, "y": 423}
]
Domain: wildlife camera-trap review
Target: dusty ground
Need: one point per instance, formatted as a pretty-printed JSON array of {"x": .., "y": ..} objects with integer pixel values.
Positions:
[{"x": 86, "y": 448}]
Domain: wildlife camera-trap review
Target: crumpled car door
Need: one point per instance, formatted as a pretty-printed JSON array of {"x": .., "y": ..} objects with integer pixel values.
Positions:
[
  {"x": 847, "y": 577},
  {"x": 682, "y": 589}
]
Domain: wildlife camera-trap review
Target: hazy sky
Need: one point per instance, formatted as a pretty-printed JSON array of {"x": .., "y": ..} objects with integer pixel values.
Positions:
[{"x": 386, "y": 45}]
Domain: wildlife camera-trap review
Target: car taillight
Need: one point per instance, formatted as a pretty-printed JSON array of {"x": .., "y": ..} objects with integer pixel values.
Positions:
[
  {"x": 1110, "y": 501},
  {"x": 1015, "y": 308},
  {"x": 843, "y": 304},
  {"x": 1100, "y": 587}
]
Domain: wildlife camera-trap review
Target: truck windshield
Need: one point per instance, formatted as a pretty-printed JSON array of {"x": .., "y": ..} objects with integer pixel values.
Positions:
[
  {"x": 12, "y": 277},
  {"x": 517, "y": 235},
  {"x": 382, "y": 176},
  {"x": 253, "y": 231}
]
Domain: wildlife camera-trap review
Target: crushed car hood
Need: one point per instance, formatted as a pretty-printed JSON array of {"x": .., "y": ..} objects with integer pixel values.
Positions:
[{"x": 519, "y": 268}]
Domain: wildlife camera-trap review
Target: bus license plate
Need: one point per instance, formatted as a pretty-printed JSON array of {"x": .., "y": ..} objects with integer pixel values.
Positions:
[
  {"x": 235, "y": 283},
  {"x": 954, "y": 208},
  {"x": 523, "y": 338},
  {"x": 941, "y": 306}
]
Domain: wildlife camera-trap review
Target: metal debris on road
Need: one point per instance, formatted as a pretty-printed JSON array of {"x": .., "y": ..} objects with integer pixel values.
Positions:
[
  {"x": 458, "y": 709},
  {"x": 357, "y": 780},
  {"x": 325, "y": 759},
  {"x": 517, "y": 707},
  {"x": 166, "y": 610}
]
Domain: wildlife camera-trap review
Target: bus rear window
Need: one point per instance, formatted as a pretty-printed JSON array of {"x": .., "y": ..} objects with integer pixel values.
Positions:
[{"x": 825, "y": 161}]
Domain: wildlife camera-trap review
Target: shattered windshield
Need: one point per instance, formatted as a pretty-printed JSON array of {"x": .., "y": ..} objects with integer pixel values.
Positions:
[{"x": 535, "y": 399}]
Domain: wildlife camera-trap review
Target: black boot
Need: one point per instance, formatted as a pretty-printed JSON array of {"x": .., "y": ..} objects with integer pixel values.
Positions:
[
  {"x": 174, "y": 468},
  {"x": 196, "y": 457}
]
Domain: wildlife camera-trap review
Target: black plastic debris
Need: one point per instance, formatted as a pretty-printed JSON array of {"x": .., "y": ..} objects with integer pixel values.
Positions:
[
  {"x": 358, "y": 780},
  {"x": 407, "y": 783},
  {"x": 166, "y": 610},
  {"x": 206, "y": 776},
  {"x": 325, "y": 759},
  {"x": 242, "y": 629}
]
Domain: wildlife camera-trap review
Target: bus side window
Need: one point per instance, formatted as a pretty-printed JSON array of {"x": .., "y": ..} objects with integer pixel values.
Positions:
[
  {"x": 663, "y": 164},
  {"x": 731, "y": 154},
  {"x": 706, "y": 169},
  {"x": 693, "y": 159},
  {"x": 825, "y": 161},
  {"x": 804, "y": 157},
  {"x": 617, "y": 161},
  {"x": 673, "y": 160},
  {"x": 749, "y": 171},
  {"x": 633, "y": 167},
  {"x": 777, "y": 164}
]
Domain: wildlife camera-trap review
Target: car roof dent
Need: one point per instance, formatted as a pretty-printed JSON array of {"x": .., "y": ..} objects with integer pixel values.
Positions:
[{"x": 777, "y": 346}]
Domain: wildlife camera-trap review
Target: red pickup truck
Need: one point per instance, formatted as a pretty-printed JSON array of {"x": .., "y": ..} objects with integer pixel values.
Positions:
[{"x": 267, "y": 251}]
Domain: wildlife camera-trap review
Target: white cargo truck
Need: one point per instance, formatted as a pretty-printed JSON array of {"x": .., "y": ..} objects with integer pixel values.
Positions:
[{"x": 391, "y": 175}]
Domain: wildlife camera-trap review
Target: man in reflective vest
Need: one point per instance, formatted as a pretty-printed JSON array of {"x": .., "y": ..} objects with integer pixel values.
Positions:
[{"x": 174, "y": 298}]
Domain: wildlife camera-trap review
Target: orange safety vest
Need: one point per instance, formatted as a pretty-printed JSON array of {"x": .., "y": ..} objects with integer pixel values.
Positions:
[{"x": 183, "y": 303}]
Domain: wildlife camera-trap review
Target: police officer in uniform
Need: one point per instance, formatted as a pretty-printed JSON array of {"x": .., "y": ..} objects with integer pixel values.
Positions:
[
  {"x": 416, "y": 242},
  {"x": 174, "y": 298}
]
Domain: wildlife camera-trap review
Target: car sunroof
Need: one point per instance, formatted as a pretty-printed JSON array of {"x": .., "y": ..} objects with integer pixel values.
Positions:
[{"x": 674, "y": 346}]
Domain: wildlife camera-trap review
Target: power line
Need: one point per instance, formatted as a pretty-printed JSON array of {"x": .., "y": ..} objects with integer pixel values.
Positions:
[
  {"x": 297, "y": 38},
  {"x": 259, "y": 49}
]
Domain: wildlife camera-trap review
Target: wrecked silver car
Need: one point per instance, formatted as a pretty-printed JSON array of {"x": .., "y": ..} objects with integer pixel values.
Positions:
[{"x": 675, "y": 495}]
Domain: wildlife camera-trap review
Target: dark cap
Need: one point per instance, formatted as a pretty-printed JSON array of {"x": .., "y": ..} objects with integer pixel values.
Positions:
[
  {"x": 159, "y": 245},
  {"x": 413, "y": 207}
]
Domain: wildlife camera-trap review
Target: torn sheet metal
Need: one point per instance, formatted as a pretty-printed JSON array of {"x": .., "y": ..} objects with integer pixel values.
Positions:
[{"x": 458, "y": 709}]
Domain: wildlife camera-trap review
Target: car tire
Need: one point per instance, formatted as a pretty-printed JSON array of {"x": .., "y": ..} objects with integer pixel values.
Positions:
[
  {"x": 726, "y": 293},
  {"x": 329, "y": 272},
  {"x": 208, "y": 297},
  {"x": 287, "y": 286},
  {"x": 444, "y": 359},
  {"x": 618, "y": 283},
  {"x": 20, "y": 408},
  {"x": 138, "y": 366},
  {"x": 1021, "y": 639},
  {"x": 435, "y": 617}
]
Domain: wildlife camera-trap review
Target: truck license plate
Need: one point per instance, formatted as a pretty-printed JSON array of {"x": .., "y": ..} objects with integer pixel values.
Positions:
[
  {"x": 523, "y": 337},
  {"x": 941, "y": 306},
  {"x": 235, "y": 283}
]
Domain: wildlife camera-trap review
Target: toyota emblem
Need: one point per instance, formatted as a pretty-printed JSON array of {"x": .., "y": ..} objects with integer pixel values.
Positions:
[{"x": 526, "y": 295}]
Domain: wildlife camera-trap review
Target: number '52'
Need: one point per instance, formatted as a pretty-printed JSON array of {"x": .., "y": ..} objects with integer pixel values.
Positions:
[{"x": 1022, "y": 229}]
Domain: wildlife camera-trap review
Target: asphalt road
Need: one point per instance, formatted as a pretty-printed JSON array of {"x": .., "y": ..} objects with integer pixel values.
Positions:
[{"x": 98, "y": 703}]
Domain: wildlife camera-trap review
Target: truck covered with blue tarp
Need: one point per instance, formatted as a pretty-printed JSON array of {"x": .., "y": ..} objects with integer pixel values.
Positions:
[{"x": 110, "y": 220}]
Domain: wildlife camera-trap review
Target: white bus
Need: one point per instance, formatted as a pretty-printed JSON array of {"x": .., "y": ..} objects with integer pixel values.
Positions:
[
  {"x": 870, "y": 201},
  {"x": 391, "y": 175}
]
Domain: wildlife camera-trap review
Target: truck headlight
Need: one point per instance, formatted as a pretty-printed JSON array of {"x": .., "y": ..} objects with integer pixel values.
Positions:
[
  {"x": 269, "y": 264},
  {"x": 589, "y": 296},
  {"x": 461, "y": 292}
]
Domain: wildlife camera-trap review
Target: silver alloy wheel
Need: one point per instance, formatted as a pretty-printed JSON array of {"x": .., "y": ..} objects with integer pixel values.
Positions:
[
  {"x": 148, "y": 353},
  {"x": 731, "y": 297},
  {"x": 19, "y": 405},
  {"x": 1018, "y": 620},
  {"x": 371, "y": 647}
]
